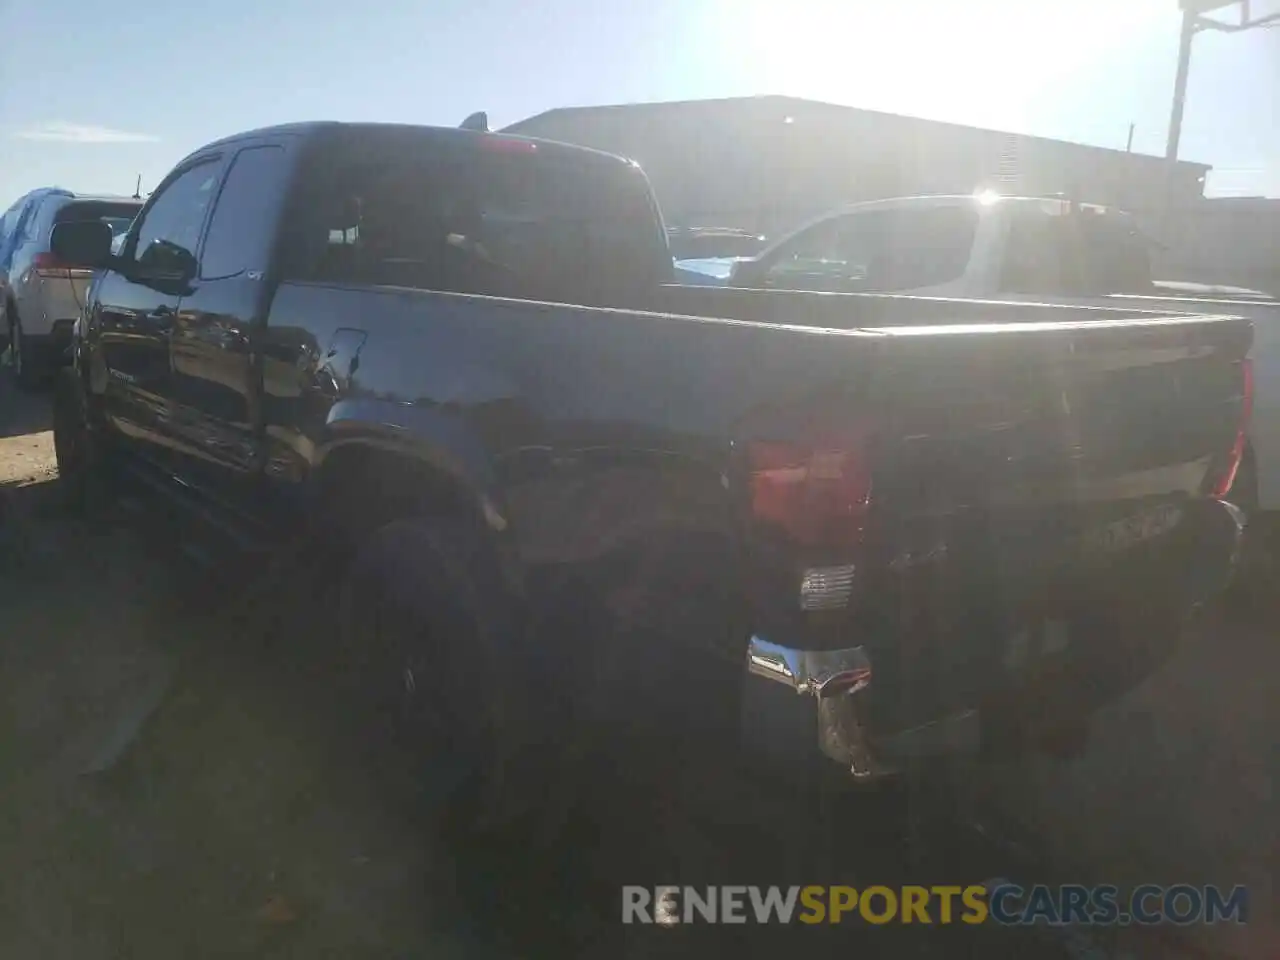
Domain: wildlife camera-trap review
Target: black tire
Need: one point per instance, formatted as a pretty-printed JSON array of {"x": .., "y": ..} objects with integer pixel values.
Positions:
[
  {"x": 28, "y": 374},
  {"x": 427, "y": 640},
  {"x": 84, "y": 469}
]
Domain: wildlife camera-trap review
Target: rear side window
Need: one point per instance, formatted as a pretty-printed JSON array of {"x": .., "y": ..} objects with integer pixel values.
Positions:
[
  {"x": 1114, "y": 255},
  {"x": 498, "y": 217},
  {"x": 9, "y": 222},
  {"x": 1075, "y": 254},
  {"x": 238, "y": 233},
  {"x": 27, "y": 219},
  {"x": 9, "y": 230}
]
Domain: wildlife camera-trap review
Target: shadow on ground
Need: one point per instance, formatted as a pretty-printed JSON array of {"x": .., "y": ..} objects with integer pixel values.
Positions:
[
  {"x": 21, "y": 412},
  {"x": 235, "y": 811},
  {"x": 182, "y": 787}
]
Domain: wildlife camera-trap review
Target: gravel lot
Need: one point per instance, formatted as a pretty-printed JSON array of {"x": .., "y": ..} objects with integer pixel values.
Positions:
[{"x": 169, "y": 787}]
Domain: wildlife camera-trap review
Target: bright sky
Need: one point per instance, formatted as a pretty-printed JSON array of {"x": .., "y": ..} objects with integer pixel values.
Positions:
[{"x": 93, "y": 93}]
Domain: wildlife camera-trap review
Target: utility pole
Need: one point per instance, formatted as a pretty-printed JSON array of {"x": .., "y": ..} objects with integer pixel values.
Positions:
[
  {"x": 1128, "y": 146},
  {"x": 1193, "y": 21},
  {"x": 1189, "y": 26}
]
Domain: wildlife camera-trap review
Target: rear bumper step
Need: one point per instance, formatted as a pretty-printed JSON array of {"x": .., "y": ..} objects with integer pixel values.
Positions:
[{"x": 836, "y": 680}]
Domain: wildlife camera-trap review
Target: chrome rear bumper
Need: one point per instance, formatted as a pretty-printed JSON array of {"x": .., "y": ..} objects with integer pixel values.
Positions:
[{"x": 835, "y": 679}]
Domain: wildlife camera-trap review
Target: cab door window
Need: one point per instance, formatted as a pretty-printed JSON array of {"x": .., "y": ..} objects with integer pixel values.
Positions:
[
  {"x": 165, "y": 239},
  {"x": 236, "y": 240}
]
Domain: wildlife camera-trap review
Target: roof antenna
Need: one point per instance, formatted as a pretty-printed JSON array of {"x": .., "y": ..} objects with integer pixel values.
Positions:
[
  {"x": 137, "y": 188},
  {"x": 478, "y": 121}
]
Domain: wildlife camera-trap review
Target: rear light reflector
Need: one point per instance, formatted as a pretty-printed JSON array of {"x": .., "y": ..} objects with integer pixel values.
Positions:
[
  {"x": 1227, "y": 476},
  {"x": 816, "y": 493},
  {"x": 826, "y": 588}
]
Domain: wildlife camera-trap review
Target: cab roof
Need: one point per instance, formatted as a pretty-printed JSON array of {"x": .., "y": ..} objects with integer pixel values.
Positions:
[{"x": 452, "y": 135}]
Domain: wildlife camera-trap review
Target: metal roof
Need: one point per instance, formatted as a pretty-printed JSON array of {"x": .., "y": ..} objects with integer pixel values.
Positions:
[{"x": 784, "y": 105}]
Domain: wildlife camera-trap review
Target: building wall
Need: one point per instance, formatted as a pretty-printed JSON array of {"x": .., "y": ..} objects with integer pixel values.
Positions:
[{"x": 768, "y": 163}]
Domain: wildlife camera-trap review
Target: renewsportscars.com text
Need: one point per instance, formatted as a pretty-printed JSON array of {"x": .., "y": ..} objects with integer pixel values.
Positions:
[{"x": 1006, "y": 903}]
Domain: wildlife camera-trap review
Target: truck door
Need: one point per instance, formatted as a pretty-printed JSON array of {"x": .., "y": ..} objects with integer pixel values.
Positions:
[
  {"x": 214, "y": 370},
  {"x": 136, "y": 304}
]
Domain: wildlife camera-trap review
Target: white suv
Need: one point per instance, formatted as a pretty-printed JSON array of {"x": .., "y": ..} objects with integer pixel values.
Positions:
[{"x": 40, "y": 298}]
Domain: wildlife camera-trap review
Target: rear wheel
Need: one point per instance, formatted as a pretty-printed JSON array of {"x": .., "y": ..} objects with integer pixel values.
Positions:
[
  {"x": 25, "y": 370},
  {"x": 83, "y": 468},
  {"x": 426, "y": 634},
  {"x": 428, "y": 661}
]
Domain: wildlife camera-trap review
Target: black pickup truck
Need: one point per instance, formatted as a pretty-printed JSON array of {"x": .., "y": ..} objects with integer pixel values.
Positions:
[{"x": 454, "y": 360}]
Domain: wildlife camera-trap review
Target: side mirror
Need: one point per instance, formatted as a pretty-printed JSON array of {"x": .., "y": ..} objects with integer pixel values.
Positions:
[
  {"x": 746, "y": 273},
  {"x": 166, "y": 261},
  {"x": 82, "y": 243}
]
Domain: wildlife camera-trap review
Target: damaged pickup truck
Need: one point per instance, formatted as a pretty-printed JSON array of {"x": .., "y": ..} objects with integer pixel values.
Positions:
[{"x": 659, "y": 518}]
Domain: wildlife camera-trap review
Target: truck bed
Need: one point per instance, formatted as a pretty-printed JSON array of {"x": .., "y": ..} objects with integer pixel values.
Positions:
[{"x": 1016, "y": 466}]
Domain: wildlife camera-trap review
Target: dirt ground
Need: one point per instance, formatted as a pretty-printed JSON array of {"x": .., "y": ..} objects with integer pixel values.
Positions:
[{"x": 169, "y": 787}]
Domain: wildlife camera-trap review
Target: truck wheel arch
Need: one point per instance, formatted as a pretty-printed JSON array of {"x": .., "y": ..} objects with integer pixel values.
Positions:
[{"x": 360, "y": 484}]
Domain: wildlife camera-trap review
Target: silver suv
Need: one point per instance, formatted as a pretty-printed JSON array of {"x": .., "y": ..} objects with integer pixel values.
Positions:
[{"x": 40, "y": 298}]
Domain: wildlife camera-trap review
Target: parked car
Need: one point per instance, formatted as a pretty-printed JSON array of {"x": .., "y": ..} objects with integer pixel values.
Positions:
[
  {"x": 12, "y": 226},
  {"x": 565, "y": 500},
  {"x": 41, "y": 296}
]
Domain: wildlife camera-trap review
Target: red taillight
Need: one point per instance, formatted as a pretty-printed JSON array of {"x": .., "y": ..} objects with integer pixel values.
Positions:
[
  {"x": 1227, "y": 477},
  {"x": 49, "y": 266},
  {"x": 817, "y": 493}
]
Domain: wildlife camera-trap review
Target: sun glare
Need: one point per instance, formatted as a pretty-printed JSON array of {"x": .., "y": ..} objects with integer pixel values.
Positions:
[{"x": 982, "y": 62}]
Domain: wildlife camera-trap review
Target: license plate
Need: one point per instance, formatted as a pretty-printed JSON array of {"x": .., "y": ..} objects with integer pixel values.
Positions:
[
  {"x": 1119, "y": 535},
  {"x": 1035, "y": 644}
]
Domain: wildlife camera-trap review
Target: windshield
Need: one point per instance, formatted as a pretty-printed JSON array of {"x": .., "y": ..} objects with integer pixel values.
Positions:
[{"x": 118, "y": 225}]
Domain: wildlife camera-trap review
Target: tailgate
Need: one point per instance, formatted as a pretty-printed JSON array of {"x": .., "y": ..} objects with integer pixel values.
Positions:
[
  {"x": 1010, "y": 472},
  {"x": 1034, "y": 468},
  {"x": 1038, "y": 418}
]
